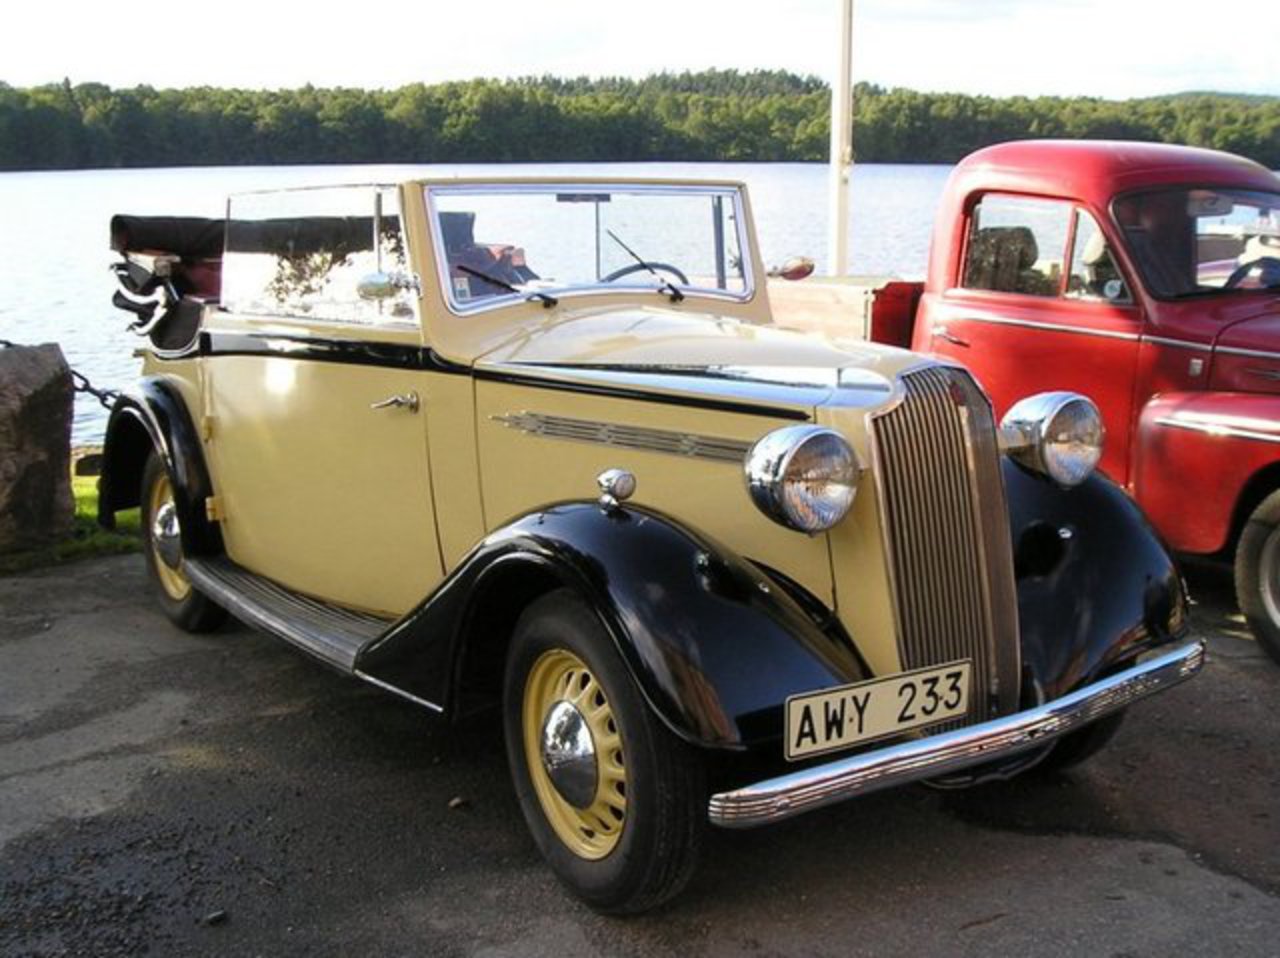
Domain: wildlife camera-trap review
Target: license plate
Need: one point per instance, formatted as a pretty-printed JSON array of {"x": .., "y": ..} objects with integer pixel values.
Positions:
[{"x": 837, "y": 718}]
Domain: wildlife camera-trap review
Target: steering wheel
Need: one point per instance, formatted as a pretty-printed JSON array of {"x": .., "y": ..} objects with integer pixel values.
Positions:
[
  {"x": 644, "y": 268},
  {"x": 1240, "y": 272}
]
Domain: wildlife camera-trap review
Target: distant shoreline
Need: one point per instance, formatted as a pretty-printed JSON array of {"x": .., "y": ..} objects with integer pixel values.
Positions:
[{"x": 711, "y": 116}]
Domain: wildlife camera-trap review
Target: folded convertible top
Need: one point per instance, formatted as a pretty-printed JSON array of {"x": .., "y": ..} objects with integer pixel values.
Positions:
[
  {"x": 181, "y": 235},
  {"x": 194, "y": 237}
]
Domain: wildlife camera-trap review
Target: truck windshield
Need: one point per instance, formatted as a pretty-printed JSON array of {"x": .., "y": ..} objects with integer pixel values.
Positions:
[
  {"x": 1190, "y": 242},
  {"x": 562, "y": 238}
]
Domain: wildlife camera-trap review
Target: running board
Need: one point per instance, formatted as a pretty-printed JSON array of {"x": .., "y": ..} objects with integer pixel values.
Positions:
[{"x": 334, "y": 636}]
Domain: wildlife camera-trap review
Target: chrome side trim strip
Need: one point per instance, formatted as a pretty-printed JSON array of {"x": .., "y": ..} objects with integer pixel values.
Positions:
[
  {"x": 627, "y": 437},
  {"x": 386, "y": 686},
  {"x": 1052, "y": 327},
  {"x": 788, "y": 795},
  {"x": 1255, "y": 353},
  {"x": 1179, "y": 344},
  {"x": 1216, "y": 429}
]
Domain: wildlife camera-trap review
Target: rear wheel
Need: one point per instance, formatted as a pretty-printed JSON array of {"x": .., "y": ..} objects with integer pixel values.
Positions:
[
  {"x": 615, "y": 802},
  {"x": 1257, "y": 574},
  {"x": 162, "y": 546}
]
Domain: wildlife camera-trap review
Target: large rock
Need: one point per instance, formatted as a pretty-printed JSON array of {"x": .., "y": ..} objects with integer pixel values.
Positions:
[{"x": 35, "y": 446}]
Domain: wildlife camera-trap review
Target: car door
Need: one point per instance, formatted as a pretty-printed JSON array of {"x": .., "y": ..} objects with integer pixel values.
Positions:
[
  {"x": 1040, "y": 305},
  {"x": 312, "y": 401}
]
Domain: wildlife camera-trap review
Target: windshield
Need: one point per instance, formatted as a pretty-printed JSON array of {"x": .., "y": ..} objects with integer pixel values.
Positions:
[
  {"x": 499, "y": 243},
  {"x": 1192, "y": 241}
]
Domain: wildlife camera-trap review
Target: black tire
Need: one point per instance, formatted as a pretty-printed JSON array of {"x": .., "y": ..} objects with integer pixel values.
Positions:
[
  {"x": 1079, "y": 746},
  {"x": 185, "y": 607},
  {"x": 655, "y": 850},
  {"x": 1257, "y": 574}
]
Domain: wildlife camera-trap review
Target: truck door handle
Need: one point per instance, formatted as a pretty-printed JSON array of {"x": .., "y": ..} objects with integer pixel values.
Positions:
[
  {"x": 409, "y": 401},
  {"x": 941, "y": 332}
]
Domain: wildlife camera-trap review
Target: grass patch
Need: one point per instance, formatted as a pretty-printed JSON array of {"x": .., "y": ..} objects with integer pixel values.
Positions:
[{"x": 87, "y": 539}]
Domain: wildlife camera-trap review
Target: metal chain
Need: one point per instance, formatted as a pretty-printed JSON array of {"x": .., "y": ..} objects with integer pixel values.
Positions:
[{"x": 80, "y": 383}]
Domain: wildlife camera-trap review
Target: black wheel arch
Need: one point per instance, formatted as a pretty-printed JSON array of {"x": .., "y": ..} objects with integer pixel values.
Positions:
[
  {"x": 1096, "y": 585},
  {"x": 152, "y": 416},
  {"x": 714, "y": 644}
]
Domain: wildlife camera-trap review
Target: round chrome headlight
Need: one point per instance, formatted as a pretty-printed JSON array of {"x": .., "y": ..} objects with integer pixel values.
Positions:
[
  {"x": 804, "y": 477},
  {"x": 1059, "y": 434}
]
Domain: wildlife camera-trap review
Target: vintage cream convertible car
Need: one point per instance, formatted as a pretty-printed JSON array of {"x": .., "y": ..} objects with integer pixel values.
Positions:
[{"x": 539, "y": 446}]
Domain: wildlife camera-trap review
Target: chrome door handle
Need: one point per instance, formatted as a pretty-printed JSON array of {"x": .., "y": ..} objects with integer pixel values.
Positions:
[
  {"x": 941, "y": 332},
  {"x": 408, "y": 401}
]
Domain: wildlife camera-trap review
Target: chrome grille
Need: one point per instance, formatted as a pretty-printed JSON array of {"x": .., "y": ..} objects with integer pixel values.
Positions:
[{"x": 947, "y": 533}]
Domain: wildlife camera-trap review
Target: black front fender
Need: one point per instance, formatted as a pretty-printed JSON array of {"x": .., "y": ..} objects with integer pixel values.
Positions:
[
  {"x": 1096, "y": 587},
  {"x": 152, "y": 416},
  {"x": 714, "y": 644}
]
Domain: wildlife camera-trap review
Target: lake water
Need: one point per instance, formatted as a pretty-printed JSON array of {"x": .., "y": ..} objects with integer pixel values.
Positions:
[{"x": 54, "y": 243}]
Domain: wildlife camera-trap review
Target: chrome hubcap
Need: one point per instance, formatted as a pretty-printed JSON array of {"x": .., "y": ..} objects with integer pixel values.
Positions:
[
  {"x": 167, "y": 535},
  {"x": 569, "y": 754}
]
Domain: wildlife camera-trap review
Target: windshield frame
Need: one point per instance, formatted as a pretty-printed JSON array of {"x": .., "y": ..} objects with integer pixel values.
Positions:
[
  {"x": 731, "y": 191},
  {"x": 1139, "y": 268}
]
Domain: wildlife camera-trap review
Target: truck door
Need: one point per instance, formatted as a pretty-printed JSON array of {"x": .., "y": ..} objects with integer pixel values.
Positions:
[{"x": 1039, "y": 304}]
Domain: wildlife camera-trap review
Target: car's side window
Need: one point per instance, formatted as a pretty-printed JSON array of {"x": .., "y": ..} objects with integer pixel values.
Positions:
[
  {"x": 1016, "y": 245},
  {"x": 1094, "y": 274},
  {"x": 302, "y": 254}
]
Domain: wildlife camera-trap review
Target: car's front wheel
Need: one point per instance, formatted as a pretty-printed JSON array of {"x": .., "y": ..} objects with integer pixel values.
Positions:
[
  {"x": 615, "y": 802},
  {"x": 1257, "y": 574},
  {"x": 162, "y": 546}
]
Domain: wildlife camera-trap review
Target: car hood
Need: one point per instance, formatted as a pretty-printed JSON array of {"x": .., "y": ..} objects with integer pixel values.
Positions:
[{"x": 675, "y": 350}]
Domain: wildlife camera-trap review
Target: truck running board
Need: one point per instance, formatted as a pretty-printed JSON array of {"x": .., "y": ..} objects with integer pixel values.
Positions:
[{"x": 331, "y": 634}]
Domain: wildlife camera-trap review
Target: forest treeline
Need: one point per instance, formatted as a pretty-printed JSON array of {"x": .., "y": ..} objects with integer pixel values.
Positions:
[{"x": 709, "y": 115}]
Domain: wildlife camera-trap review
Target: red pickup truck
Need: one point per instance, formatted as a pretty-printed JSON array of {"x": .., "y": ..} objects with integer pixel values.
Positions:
[{"x": 1148, "y": 277}]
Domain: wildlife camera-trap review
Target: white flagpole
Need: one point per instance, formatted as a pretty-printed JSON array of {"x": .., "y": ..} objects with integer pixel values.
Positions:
[{"x": 841, "y": 147}]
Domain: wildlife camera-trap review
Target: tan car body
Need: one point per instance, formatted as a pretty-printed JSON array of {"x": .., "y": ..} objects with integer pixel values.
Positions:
[
  {"x": 373, "y": 509},
  {"x": 584, "y": 509}
]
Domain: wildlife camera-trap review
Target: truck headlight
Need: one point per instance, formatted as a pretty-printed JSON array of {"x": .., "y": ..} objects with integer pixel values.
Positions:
[
  {"x": 804, "y": 477},
  {"x": 1059, "y": 434}
]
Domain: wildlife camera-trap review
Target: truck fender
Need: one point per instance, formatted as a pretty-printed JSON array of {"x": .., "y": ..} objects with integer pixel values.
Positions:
[
  {"x": 1096, "y": 587},
  {"x": 152, "y": 416},
  {"x": 1203, "y": 458},
  {"x": 714, "y": 644}
]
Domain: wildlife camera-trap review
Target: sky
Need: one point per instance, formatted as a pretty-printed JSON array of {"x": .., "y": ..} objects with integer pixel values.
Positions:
[{"x": 1107, "y": 48}]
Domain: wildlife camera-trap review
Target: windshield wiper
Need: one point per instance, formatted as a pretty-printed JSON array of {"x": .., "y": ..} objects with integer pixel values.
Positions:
[
  {"x": 672, "y": 290},
  {"x": 547, "y": 299}
]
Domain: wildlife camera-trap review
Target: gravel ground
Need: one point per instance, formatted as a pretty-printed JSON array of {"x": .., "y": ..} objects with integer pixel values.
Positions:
[{"x": 175, "y": 795}]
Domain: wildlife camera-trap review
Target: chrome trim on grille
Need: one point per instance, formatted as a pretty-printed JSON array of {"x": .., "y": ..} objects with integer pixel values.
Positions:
[
  {"x": 946, "y": 532},
  {"x": 627, "y": 437},
  {"x": 788, "y": 795}
]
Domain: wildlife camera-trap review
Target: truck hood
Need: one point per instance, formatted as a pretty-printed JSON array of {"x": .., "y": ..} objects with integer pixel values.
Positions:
[
  {"x": 1260, "y": 330},
  {"x": 675, "y": 350}
]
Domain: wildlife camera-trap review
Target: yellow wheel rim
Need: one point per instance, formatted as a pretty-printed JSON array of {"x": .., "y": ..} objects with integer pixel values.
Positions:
[
  {"x": 594, "y": 831},
  {"x": 173, "y": 582}
]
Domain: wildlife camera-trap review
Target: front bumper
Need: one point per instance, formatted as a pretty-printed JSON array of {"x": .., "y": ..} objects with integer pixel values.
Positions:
[{"x": 777, "y": 798}]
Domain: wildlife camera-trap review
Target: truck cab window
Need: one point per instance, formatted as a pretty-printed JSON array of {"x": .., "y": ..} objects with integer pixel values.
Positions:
[
  {"x": 1094, "y": 275},
  {"x": 1016, "y": 245}
]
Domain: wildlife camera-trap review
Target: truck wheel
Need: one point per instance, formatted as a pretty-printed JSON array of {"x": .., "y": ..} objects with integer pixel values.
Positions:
[
  {"x": 1258, "y": 574},
  {"x": 615, "y": 802},
  {"x": 162, "y": 546}
]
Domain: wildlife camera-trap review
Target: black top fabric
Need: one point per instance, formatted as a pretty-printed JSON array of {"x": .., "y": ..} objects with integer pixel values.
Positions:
[
  {"x": 193, "y": 237},
  {"x": 181, "y": 235}
]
